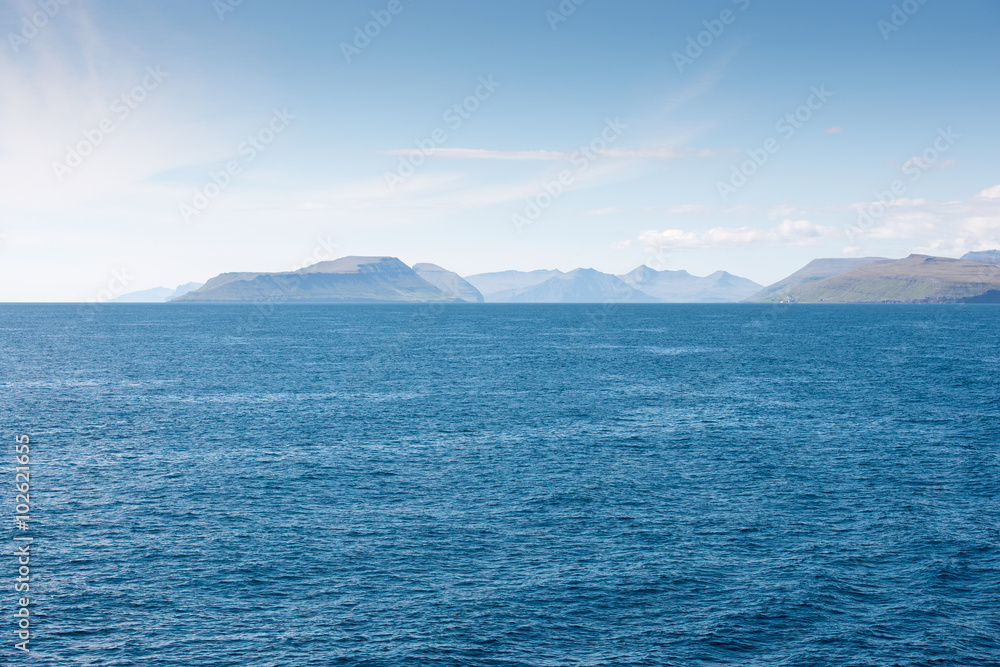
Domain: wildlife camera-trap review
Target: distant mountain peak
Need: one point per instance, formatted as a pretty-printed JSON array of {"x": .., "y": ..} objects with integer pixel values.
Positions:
[
  {"x": 983, "y": 256},
  {"x": 643, "y": 272},
  {"x": 448, "y": 282},
  {"x": 502, "y": 286},
  {"x": 157, "y": 294},
  {"x": 682, "y": 287},
  {"x": 582, "y": 286},
  {"x": 646, "y": 273}
]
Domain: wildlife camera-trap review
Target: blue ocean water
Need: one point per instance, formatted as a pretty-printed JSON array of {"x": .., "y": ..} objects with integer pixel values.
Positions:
[{"x": 506, "y": 485}]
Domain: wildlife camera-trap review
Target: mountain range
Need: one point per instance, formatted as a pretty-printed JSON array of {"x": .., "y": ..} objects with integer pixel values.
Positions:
[
  {"x": 682, "y": 287},
  {"x": 577, "y": 286},
  {"x": 387, "y": 279},
  {"x": 916, "y": 279},
  {"x": 643, "y": 285}
]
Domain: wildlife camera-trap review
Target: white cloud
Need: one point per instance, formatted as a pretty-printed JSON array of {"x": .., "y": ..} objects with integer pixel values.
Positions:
[
  {"x": 789, "y": 232},
  {"x": 949, "y": 228},
  {"x": 990, "y": 193},
  {"x": 797, "y": 231}
]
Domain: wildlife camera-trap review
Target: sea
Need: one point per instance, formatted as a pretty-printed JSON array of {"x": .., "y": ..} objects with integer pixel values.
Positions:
[{"x": 501, "y": 485}]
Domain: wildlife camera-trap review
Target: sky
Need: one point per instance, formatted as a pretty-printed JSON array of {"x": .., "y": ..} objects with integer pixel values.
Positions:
[{"x": 149, "y": 143}]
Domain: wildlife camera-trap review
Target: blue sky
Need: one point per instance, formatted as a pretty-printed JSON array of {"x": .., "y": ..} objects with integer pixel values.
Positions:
[{"x": 224, "y": 136}]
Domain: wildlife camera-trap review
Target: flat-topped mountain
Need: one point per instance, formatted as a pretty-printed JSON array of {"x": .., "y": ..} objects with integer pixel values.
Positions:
[
  {"x": 682, "y": 287},
  {"x": 345, "y": 280},
  {"x": 915, "y": 279}
]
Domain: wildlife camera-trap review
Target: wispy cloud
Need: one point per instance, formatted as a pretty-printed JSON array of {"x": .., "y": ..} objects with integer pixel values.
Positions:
[
  {"x": 650, "y": 153},
  {"x": 79, "y": 127}
]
